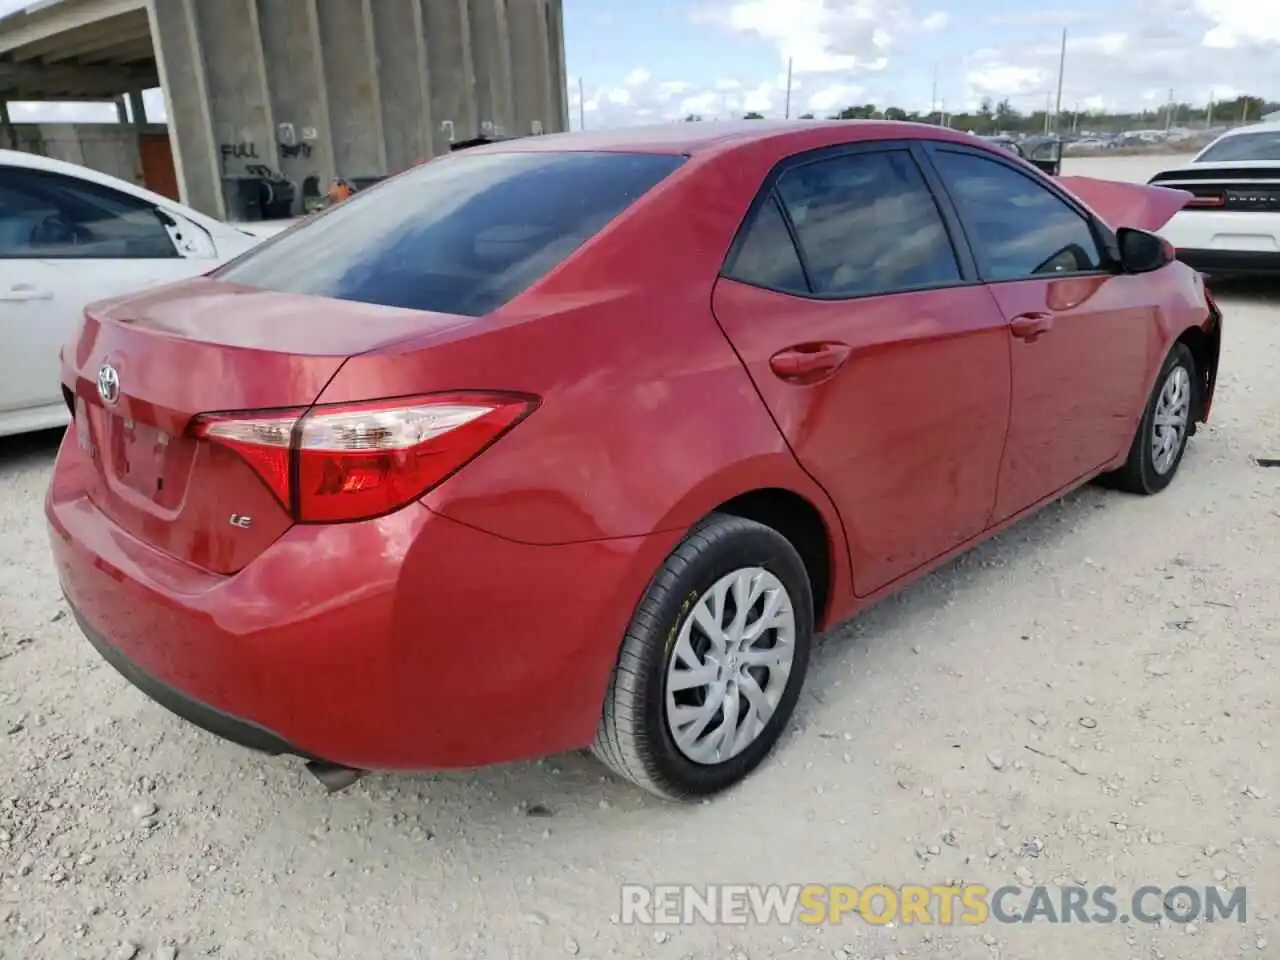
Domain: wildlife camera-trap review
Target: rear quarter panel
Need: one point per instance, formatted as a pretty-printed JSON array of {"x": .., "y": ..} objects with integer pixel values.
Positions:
[{"x": 648, "y": 419}]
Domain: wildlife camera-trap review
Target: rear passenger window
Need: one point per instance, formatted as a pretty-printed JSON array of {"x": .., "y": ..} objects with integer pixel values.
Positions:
[
  {"x": 767, "y": 257},
  {"x": 867, "y": 223},
  {"x": 1019, "y": 228},
  {"x": 462, "y": 234}
]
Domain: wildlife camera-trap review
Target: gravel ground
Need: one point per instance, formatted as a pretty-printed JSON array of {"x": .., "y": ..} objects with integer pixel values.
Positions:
[{"x": 1087, "y": 699}]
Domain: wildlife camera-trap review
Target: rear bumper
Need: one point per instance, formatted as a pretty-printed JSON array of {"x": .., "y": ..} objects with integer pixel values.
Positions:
[
  {"x": 1232, "y": 262},
  {"x": 1226, "y": 241},
  {"x": 224, "y": 725},
  {"x": 411, "y": 642}
]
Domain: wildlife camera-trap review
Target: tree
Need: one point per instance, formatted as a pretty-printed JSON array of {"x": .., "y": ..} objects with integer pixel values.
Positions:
[
  {"x": 753, "y": 116},
  {"x": 692, "y": 118},
  {"x": 864, "y": 112},
  {"x": 894, "y": 113}
]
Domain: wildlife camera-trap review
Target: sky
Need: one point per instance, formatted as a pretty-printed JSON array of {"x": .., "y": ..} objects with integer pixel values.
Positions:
[{"x": 646, "y": 61}]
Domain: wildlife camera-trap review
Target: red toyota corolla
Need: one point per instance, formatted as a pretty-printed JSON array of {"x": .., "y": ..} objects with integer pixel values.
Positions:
[{"x": 576, "y": 440}]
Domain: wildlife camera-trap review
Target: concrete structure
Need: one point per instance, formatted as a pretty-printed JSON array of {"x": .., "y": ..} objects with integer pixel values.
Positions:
[
  {"x": 113, "y": 148},
  {"x": 309, "y": 89}
]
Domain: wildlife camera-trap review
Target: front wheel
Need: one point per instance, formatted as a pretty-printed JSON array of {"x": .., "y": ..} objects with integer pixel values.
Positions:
[
  {"x": 712, "y": 663},
  {"x": 1166, "y": 424}
]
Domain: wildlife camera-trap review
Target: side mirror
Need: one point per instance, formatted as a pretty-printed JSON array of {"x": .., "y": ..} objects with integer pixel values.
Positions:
[{"x": 1142, "y": 252}]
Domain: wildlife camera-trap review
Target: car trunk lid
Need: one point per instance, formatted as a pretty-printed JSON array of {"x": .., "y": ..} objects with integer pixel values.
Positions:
[
  {"x": 143, "y": 368},
  {"x": 1135, "y": 205}
]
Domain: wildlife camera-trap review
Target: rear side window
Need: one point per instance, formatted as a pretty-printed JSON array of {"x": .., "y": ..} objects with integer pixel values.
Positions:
[
  {"x": 1264, "y": 145},
  {"x": 463, "y": 234},
  {"x": 47, "y": 216},
  {"x": 767, "y": 257},
  {"x": 867, "y": 223}
]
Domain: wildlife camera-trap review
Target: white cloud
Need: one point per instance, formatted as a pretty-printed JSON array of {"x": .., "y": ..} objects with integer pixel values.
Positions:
[
  {"x": 936, "y": 21},
  {"x": 1240, "y": 24},
  {"x": 821, "y": 35},
  {"x": 831, "y": 99}
]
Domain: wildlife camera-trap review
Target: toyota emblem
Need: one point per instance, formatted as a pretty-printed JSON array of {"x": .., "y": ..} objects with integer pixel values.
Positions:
[{"x": 108, "y": 384}]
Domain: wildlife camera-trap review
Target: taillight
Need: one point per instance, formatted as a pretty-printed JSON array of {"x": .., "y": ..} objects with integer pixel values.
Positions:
[
  {"x": 1216, "y": 199},
  {"x": 342, "y": 462}
]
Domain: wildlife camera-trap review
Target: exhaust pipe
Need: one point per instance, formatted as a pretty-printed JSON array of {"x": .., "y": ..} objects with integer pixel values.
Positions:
[{"x": 332, "y": 776}]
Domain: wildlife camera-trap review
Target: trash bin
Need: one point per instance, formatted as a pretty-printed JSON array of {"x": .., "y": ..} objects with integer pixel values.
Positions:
[
  {"x": 277, "y": 195},
  {"x": 242, "y": 195}
]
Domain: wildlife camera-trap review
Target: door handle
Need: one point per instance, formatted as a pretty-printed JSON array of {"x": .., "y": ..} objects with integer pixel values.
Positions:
[
  {"x": 1029, "y": 326},
  {"x": 20, "y": 292},
  {"x": 807, "y": 363}
]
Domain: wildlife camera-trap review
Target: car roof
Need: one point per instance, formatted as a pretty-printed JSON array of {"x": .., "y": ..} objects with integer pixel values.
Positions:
[
  {"x": 714, "y": 136},
  {"x": 1271, "y": 126}
]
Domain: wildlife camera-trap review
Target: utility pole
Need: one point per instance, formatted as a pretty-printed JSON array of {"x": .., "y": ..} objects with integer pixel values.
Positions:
[
  {"x": 582, "y": 107},
  {"x": 788, "y": 113},
  {"x": 1062, "y": 66},
  {"x": 1075, "y": 117},
  {"x": 1208, "y": 120},
  {"x": 1048, "y": 103},
  {"x": 1244, "y": 111},
  {"x": 1168, "y": 114}
]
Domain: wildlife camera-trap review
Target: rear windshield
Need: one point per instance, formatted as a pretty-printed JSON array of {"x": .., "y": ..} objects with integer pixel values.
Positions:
[
  {"x": 463, "y": 234},
  {"x": 1263, "y": 145}
]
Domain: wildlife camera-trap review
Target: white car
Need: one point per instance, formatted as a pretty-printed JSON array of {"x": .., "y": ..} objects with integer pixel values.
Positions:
[
  {"x": 1233, "y": 224},
  {"x": 69, "y": 236}
]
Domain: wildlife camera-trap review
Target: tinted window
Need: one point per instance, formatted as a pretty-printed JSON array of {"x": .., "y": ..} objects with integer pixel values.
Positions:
[
  {"x": 867, "y": 223},
  {"x": 767, "y": 257},
  {"x": 462, "y": 234},
  {"x": 1018, "y": 227},
  {"x": 52, "y": 216},
  {"x": 1264, "y": 145}
]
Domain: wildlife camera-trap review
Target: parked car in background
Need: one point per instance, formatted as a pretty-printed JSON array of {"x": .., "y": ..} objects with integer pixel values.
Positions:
[
  {"x": 1042, "y": 152},
  {"x": 70, "y": 235},
  {"x": 1231, "y": 226},
  {"x": 579, "y": 439}
]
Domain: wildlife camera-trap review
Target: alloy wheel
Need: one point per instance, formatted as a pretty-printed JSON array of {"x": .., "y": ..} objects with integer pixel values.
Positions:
[{"x": 729, "y": 667}]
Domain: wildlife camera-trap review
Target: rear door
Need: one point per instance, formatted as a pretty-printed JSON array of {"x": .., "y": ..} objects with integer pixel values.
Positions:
[
  {"x": 65, "y": 242},
  {"x": 882, "y": 359},
  {"x": 1082, "y": 336}
]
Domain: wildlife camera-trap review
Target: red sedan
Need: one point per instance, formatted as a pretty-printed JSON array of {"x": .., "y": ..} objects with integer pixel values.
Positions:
[{"x": 577, "y": 440}]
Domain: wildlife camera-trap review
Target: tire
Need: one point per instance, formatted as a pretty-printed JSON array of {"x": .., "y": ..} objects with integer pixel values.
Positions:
[
  {"x": 1142, "y": 473},
  {"x": 636, "y": 738}
]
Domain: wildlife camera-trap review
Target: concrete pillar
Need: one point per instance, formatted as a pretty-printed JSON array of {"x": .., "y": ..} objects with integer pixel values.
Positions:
[
  {"x": 491, "y": 53},
  {"x": 404, "y": 81},
  {"x": 559, "y": 75},
  {"x": 138, "y": 107},
  {"x": 122, "y": 111},
  {"x": 536, "y": 99},
  {"x": 10, "y": 134},
  {"x": 352, "y": 87},
  {"x": 181, "y": 62},
  {"x": 239, "y": 104},
  {"x": 295, "y": 80},
  {"x": 452, "y": 71}
]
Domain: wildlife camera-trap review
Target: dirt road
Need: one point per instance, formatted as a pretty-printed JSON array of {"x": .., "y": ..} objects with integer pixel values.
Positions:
[{"x": 1089, "y": 700}]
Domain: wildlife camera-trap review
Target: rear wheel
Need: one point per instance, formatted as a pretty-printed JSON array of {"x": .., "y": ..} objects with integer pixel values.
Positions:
[
  {"x": 1166, "y": 424},
  {"x": 712, "y": 663}
]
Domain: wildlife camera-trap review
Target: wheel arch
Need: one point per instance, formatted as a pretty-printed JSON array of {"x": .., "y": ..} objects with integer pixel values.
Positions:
[
  {"x": 800, "y": 521},
  {"x": 1205, "y": 346}
]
